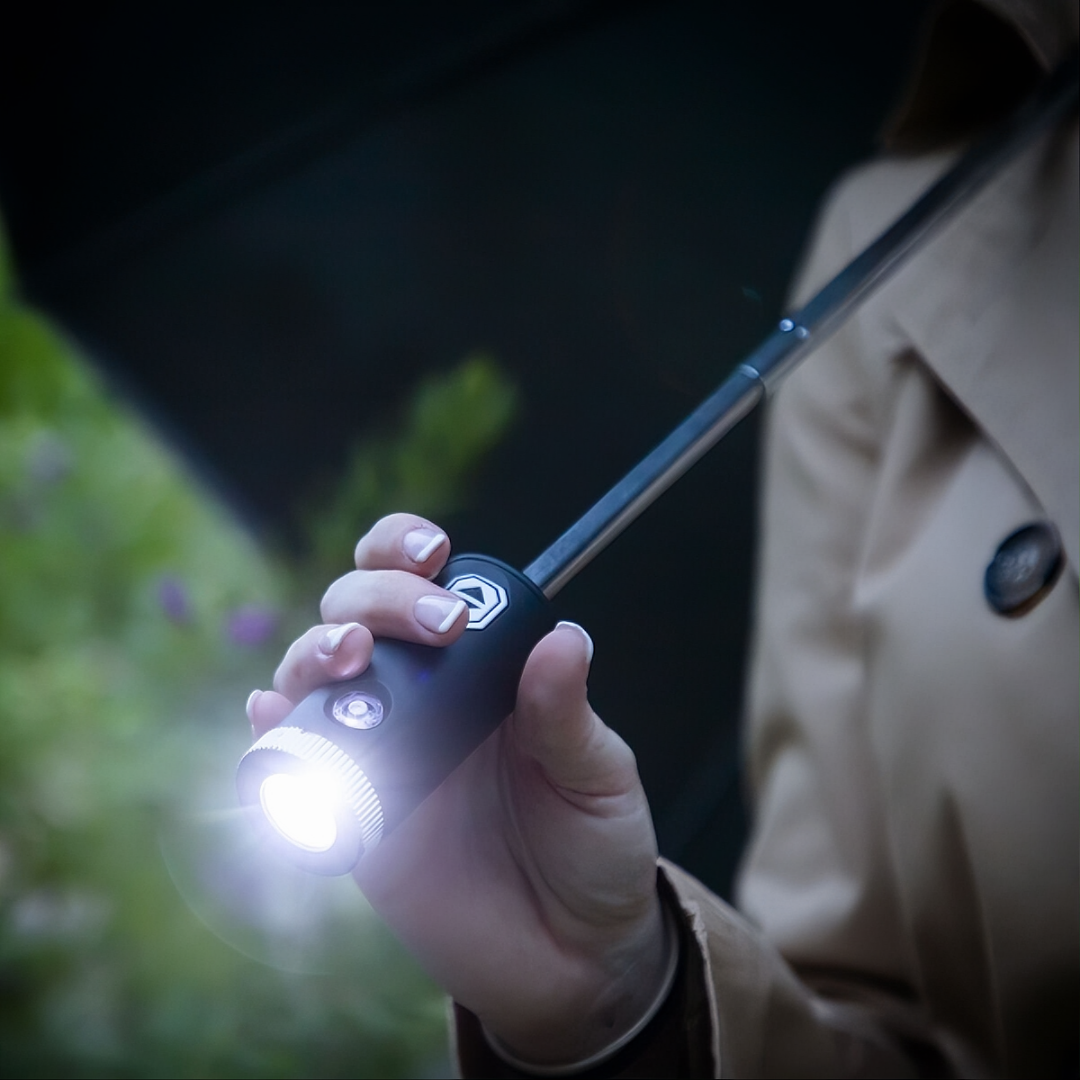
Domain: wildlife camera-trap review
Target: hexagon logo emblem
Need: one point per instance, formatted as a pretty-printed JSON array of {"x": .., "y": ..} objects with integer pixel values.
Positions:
[{"x": 486, "y": 600}]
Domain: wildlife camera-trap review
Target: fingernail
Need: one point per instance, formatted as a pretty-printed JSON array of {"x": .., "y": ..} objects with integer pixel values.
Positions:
[
  {"x": 331, "y": 641},
  {"x": 583, "y": 632},
  {"x": 437, "y": 613},
  {"x": 421, "y": 543},
  {"x": 252, "y": 698}
]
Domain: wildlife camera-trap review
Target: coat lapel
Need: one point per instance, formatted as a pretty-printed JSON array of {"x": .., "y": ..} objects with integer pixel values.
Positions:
[{"x": 991, "y": 306}]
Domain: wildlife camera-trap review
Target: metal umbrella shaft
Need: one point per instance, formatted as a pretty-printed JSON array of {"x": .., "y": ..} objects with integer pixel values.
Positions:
[{"x": 799, "y": 334}]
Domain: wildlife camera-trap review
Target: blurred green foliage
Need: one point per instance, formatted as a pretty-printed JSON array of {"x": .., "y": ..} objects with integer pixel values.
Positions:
[
  {"x": 135, "y": 614},
  {"x": 425, "y": 467}
]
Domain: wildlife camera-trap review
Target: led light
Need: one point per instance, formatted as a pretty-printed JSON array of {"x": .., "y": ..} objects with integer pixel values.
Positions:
[
  {"x": 301, "y": 809},
  {"x": 316, "y": 806}
]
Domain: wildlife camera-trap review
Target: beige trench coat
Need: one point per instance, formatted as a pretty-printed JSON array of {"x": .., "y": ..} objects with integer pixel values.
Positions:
[
  {"x": 910, "y": 900},
  {"x": 914, "y": 753}
]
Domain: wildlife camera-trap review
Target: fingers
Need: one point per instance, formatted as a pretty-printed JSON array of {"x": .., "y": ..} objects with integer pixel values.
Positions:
[
  {"x": 403, "y": 542},
  {"x": 324, "y": 654},
  {"x": 394, "y": 604},
  {"x": 265, "y": 710},
  {"x": 390, "y": 591},
  {"x": 389, "y": 595},
  {"x": 555, "y": 724}
]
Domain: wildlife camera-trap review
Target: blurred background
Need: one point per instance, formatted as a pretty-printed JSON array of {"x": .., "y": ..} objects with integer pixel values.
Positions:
[{"x": 271, "y": 270}]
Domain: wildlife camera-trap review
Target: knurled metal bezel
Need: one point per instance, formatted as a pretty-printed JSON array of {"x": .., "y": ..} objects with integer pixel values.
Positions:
[{"x": 321, "y": 753}]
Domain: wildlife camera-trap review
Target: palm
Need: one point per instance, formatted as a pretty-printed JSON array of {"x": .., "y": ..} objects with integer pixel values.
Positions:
[
  {"x": 527, "y": 883},
  {"x": 511, "y": 888}
]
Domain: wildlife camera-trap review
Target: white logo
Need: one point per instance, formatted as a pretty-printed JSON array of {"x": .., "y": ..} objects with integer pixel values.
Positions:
[{"x": 486, "y": 600}]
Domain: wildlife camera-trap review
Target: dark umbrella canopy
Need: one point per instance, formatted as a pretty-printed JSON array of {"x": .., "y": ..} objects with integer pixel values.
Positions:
[{"x": 267, "y": 222}]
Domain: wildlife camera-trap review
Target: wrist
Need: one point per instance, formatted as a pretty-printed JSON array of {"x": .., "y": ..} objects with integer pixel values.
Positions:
[{"x": 630, "y": 1007}]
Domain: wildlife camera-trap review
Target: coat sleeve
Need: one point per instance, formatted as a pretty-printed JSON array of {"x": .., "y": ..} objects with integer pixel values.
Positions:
[{"x": 808, "y": 979}]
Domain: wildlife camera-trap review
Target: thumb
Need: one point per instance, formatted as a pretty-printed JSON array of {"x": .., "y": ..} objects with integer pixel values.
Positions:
[{"x": 555, "y": 725}]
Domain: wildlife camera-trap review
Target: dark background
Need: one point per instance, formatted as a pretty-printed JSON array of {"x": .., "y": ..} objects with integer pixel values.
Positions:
[{"x": 266, "y": 222}]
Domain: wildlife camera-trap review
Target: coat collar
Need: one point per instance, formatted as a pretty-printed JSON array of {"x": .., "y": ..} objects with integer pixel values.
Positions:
[{"x": 991, "y": 307}]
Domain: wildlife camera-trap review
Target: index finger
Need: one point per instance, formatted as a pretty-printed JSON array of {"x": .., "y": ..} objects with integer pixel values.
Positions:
[{"x": 403, "y": 542}]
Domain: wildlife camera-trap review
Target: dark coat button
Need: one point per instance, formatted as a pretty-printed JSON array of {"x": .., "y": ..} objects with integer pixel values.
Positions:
[{"x": 1023, "y": 569}]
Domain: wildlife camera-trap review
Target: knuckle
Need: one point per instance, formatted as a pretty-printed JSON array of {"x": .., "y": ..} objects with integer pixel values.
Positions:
[
  {"x": 370, "y": 538},
  {"x": 361, "y": 545},
  {"x": 377, "y": 599},
  {"x": 293, "y": 659},
  {"x": 281, "y": 676},
  {"x": 334, "y": 597},
  {"x": 381, "y": 546},
  {"x": 387, "y": 524}
]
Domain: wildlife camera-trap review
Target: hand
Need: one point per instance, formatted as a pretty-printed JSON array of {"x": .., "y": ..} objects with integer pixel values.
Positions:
[{"x": 526, "y": 884}]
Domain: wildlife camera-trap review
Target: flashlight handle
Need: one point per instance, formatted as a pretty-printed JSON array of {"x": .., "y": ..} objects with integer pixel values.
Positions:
[{"x": 438, "y": 704}]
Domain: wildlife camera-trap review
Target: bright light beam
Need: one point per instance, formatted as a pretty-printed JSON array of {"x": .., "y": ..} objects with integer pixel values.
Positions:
[{"x": 301, "y": 809}]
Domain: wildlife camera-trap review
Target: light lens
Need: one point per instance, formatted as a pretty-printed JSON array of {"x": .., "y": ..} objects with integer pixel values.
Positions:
[{"x": 301, "y": 809}]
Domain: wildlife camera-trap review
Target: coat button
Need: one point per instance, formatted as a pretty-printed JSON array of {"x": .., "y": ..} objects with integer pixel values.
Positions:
[{"x": 1023, "y": 569}]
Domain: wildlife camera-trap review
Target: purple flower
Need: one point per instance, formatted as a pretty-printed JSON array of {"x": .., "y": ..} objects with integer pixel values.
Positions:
[
  {"x": 251, "y": 625},
  {"x": 50, "y": 459},
  {"x": 173, "y": 598}
]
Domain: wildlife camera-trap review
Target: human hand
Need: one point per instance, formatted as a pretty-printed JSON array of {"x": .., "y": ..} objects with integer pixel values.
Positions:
[{"x": 526, "y": 884}]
